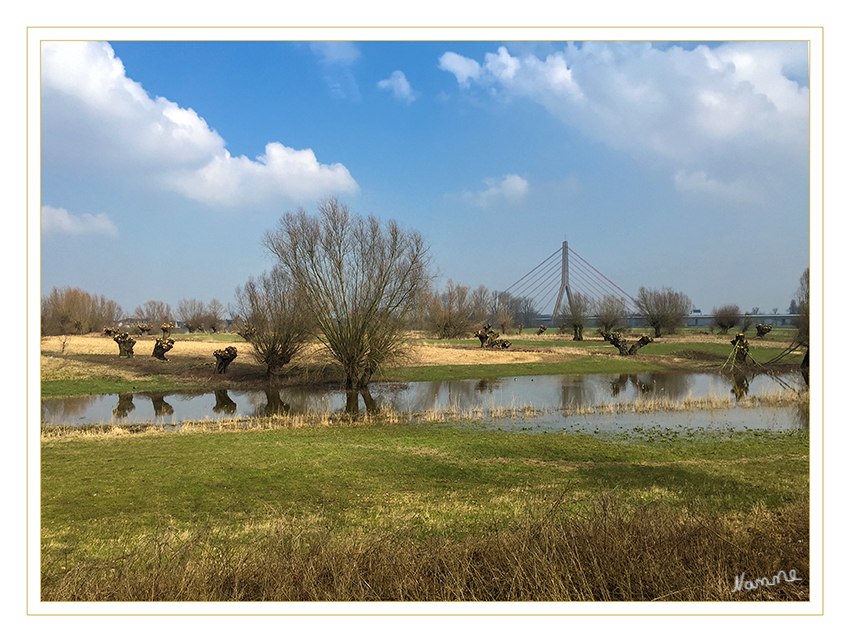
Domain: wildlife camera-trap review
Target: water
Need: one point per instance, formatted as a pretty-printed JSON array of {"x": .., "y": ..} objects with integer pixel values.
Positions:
[{"x": 554, "y": 398}]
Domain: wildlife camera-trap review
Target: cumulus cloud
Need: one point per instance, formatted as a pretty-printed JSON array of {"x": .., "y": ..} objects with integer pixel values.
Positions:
[
  {"x": 56, "y": 220},
  {"x": 97, "y": 121},
  {"x": 511, "y": 188},
  {"x": 464, "y": 69},
  {"x": 398, "y": 84},
  {"x": 280, "y": 172},
  {"x": 739, "y": 107}
]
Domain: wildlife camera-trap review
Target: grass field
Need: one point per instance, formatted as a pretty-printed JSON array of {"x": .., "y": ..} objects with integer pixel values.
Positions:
[
  {"x": 373, "y": 510},
  {"x": 354, "y": 512}
]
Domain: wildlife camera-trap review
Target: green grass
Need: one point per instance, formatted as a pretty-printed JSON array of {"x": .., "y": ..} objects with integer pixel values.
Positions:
[
  {"x": 424, "y": 512},
  {"x": 227, "y": 337},
  {"x": 584, "y": 365},
  {"x": 93, "y": 487},
  {"x": 103, "y": 386}
]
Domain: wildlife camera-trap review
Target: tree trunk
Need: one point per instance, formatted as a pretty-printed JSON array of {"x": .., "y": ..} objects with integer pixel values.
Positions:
[
  {"x": 161, "y": 347},
  {"x": 644, "y": 340},
  {"x": 577, "y": 333},
  {"x": 125, "y": 344},
  {"x": 741, "y": 348},
  {"x": 616, "y": 340},
  {"x": 224, "y": 358}
]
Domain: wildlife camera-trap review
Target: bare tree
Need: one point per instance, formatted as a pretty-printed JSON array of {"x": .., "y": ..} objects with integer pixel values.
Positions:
[
  {"x": 576, "y": 313},
  {"x": 361, "y": 280},
  {"x": 480, "y": 303},
  {"x": 526, "y": 312},
  {"x": 450, "y": 313},
  {"x": 611, "y": 313},
  {"x": 801, "y": 296},
  {"x": 215, "y": 316},
  {"x": 726, "y": 317},
  {"x": 275, "y": 323},
  {"x": 663, "y": 309},
  {"x": 74, "y": 311},
  {"x": 154, "y": 313},
  {"x": 193, "y": 314}
]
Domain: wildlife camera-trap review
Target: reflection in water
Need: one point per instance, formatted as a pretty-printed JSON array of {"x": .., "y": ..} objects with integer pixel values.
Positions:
[
  {"x": 740, "y": 384},
  {"x": 125, "y": 405},
  {"x": 560, "y": 395},
  {"x": 223, "y": 403},
  {"x": 274, "y": 404},
  {"x": 160, "y": 406}
]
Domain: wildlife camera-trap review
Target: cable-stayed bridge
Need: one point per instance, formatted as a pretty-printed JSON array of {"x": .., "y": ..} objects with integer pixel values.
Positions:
[{"x": 552, "y": 283}]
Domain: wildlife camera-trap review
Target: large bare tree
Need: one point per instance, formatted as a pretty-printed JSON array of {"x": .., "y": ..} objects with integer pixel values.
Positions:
[
  {"x": 663, "y": 309},
  {"x": 361, "y": 280},
  {"x": 275, "y": 322}
]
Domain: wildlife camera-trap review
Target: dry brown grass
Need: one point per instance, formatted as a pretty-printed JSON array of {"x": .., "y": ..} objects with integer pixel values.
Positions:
[
  {"x": 57, "y": 364},
  {"x": 610, "y": 553}
]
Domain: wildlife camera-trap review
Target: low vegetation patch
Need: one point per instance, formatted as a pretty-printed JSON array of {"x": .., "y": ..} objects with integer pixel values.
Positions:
[{"x": 430, "y": 513}]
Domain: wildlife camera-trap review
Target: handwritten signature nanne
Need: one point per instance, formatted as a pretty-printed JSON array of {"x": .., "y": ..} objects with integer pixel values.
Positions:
[{"x": 750, "y": 585}]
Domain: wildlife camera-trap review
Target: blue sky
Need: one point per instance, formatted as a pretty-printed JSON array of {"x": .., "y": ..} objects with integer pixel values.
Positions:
[{"x": 663, "y": 164}]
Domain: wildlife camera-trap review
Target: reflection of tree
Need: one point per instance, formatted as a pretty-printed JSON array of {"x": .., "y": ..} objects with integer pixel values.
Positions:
[
  {"x": 61, "y": 409},
  {"x": 740, "y": 384},
  {"x": 618, "y": 384},
  {"x": 487, "y": 385},
  {"x": 670, "y": 385},
  {"x": 125, "y": 405},
  {"x": 578, "y": 391},
  {"x": 223, "y": 402},
  {"x": 461, "y": 393},
  {"x": 160, "y": 406},
  {"x": 274, "y": 404}
]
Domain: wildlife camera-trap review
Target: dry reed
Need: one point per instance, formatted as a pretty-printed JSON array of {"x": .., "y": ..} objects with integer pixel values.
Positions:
[{"x": 611, "y": 552}]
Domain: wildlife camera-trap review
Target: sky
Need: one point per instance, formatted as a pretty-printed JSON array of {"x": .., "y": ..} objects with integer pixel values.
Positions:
[{"x": 663, "y": 164}]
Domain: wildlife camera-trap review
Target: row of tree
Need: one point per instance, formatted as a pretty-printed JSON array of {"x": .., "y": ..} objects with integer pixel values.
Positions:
[
  {"x": 354, "y": 284},
  {"x": 73, "y": 311},
  {"x": 457, "y": 311}
]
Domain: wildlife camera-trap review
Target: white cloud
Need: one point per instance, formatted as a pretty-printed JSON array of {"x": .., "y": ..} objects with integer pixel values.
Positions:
[
  {"x": 398, "y": 84},
  {"x": 282, "y": 172},
  {"x": 511, "y": 188},
  {"x": 726, "y": 111},
  {"x": 96, "y": 121},
  {"x": 464, "y": 69},
  {"x": 56, "y": 220}
]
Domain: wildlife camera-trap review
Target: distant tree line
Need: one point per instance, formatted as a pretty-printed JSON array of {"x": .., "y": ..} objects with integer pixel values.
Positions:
[{"x": 71, "y": 310}]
